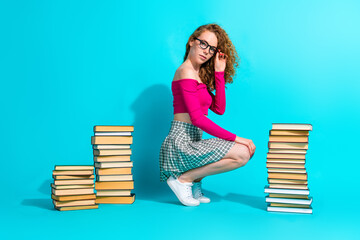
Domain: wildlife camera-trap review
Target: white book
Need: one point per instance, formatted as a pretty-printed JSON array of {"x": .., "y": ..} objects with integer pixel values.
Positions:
[
  {"x": 289, "y": 200},
  {"x": 292, "y": 126},
  {"x": 289, "y": 209},
  {"x": 113, "y": 164},
  {"x": 286, "y": 191},
  {"x": 112, "y": 133},
  {"x": 111, "y": 146},
  {"x": 124, "y": 177}
]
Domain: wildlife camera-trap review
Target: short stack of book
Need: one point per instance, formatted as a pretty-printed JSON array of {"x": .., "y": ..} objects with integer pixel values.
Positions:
[
  {"x": 113, "y": 166},
  {"x": 73, "y": 187},
  {"x": 287, "y": 177}
]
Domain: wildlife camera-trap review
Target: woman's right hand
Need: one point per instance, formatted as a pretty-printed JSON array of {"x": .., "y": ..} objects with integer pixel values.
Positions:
[{"x": 248, "y": 143}]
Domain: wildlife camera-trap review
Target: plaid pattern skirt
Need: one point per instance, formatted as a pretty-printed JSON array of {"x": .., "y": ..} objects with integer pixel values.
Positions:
[{"x": 183, "y": 149}]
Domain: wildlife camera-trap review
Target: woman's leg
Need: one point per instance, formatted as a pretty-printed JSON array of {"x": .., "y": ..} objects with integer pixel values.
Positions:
[{"x": 237, "y": 157}]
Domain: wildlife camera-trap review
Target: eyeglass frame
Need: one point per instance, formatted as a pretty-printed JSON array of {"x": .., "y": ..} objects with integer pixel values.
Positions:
[{"x": 208, "y": 45}]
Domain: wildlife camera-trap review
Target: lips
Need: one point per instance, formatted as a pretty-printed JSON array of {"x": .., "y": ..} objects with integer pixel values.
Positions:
[{"x": 203, "y": 57}]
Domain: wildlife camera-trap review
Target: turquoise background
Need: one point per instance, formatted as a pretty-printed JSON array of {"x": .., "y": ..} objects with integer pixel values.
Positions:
[{"x": 66, "y": 66}]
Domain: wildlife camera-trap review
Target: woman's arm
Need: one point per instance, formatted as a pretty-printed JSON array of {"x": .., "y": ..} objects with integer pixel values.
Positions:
[{"x": 219, "y": 100}]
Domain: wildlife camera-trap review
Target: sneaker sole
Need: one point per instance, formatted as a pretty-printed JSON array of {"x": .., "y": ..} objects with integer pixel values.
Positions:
[{"x": 186, "y": 204}]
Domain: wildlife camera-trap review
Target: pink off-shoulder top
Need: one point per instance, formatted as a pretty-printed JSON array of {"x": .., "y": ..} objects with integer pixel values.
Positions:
[{"x": 192, "y": 97}]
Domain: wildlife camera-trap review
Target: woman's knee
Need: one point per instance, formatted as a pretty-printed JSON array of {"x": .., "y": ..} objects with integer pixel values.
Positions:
[{"x": 242, "y": 155}]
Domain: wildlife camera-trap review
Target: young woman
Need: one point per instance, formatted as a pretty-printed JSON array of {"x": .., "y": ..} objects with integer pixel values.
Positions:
[{"x": 185, "y": 158}]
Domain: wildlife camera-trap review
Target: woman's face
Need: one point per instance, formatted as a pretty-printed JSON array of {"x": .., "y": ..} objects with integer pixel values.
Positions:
[{"x": 198, "y": 54}]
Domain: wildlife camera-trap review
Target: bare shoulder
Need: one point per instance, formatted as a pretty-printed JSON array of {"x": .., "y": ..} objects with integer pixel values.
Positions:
[{"x": 184, "y": 72}]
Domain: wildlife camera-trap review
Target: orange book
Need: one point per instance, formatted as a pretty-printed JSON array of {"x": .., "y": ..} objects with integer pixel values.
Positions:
[
  {"x": 112, "y": 171},
  {"x": 113, "y": 128},
  {"x": 124, "y": 158},
  {"x": 299, "y": 176},
  {"x": 118, "y": 200},
  {"x": 73, "y": 197},
  {"x": 297, "y": 139},
  {"x": 285, "y": 155},
  {"x": 111, "y": 139},
  {"x": 114, "y": 185},
  {"x": 288, "y": 133}
]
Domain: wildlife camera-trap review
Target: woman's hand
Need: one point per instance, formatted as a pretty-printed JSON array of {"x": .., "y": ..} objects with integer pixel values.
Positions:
[
  {"x": 220, "y": 61},
  {"x": 248, "y": 143}
]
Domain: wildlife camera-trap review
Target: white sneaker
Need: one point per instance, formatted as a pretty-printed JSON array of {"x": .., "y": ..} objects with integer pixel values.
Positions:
[
  {"x": 198, "y": 193},
  {"x": 182, "y": 191}
]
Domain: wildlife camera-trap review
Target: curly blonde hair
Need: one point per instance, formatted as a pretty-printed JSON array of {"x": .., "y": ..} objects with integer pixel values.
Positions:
[{"x": 207, "y": 69}]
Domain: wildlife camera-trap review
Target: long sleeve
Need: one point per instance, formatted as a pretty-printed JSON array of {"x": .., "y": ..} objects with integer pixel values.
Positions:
[
  {"x": 218, "y": 100},
  {"x": 188, "y": 91}
]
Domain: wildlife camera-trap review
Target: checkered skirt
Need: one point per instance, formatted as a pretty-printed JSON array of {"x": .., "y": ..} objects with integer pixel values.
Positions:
[{"x": 183, "y": 149}]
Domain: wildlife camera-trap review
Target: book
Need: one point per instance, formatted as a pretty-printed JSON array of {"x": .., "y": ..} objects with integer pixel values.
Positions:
[
  {"x": 73, "y": 197},
  {"x": 288, "y": 186},
  {"x": 74, "y": 167},
  {"x": 276, "y": 195},
  {"x": 124, "y": 177},
  {"x": 112, "y": 171},
  {"x": 296, "y": 151},
  {"x": 111, "y": 139},
  {"x": 72, "y": 186},
  {"x": 113, "y": 128},
  {"x": 112, "y": 158},
  {"x": 113, "y": 192},
  {"x": 114, "y": 185},
  {"x": 285, "y": 155},
  {"x": 281, "y": 160},
  {"x": 71, "y": 182},
  {"x": 77, "y": 191},
  {"x": 285, "y": 165},
  {"x": 289, "y": 200},
  {"x": 288, "y": 133},
  {"x": 274, "y": 204},
  {"x": 292, "y": 126},
  {"x": 286, "y": 170},
  {"x": 290, "y": 210},
  {"x": 119, "y": 200},
  {"x": 77, "y": 208},
  {"x": 112, "y": 133},
  {"x": 287, "y": 181},
  {"x": 68, "y": 177},
  {"x": 299, "y": 176},
  {"x": 111, "y": 152},
  {"x": 295, "y": 139},
  {"x": 111, "y": 146},
  {"x": 286, "y": 191},
  {"x": 288, "y": 145},
  {"x": 113, "y": 164},
  {"x": 73, "y": 203},
  {"x": 65, "y": 172}
]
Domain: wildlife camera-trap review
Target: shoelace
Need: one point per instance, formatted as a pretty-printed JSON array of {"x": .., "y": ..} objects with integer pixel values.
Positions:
[{"x": 188, "y": 191}]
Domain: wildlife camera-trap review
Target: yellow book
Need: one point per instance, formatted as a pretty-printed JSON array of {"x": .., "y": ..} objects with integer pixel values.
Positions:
[
  {"x": 112, "y": 171},
  {"x": 124, "y": 158}
]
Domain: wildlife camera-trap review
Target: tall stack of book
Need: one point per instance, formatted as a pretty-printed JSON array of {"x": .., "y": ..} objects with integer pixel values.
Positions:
[
  {"x": 73, "y": 187},
  {"x": 113, "y": 166},
  {"x": 287, "y": 177}
]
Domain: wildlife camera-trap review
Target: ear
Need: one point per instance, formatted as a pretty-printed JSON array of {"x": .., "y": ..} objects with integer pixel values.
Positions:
[{"x": 191, "y": 43}]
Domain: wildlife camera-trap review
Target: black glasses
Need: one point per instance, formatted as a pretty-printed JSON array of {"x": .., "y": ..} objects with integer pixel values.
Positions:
[{"x": 204, "y": 45}]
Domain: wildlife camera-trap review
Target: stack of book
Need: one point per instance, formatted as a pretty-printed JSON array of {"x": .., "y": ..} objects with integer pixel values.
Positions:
[
  {"x": 287, "y": 177},
  {"x": 73, "y": 188},
  {"x": 113, "y": 166}
]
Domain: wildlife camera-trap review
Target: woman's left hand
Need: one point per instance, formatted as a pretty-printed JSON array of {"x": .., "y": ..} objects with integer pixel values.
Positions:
[{"x": 220, "y": 61}]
